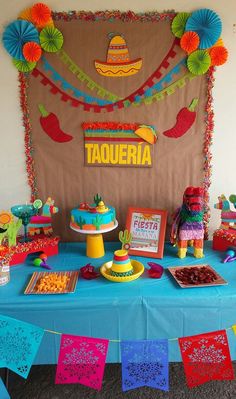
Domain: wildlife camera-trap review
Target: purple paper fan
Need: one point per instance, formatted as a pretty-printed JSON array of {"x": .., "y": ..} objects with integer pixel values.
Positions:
[
  {"x": 16, "y": 34},
  {"x": 207, "y": 24}
]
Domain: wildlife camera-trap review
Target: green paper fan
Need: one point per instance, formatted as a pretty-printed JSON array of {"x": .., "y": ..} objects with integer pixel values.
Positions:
[
  {"x": 51, "y": 39},
  {"x": 179, "y": 22},
  {"x": 24, "y": 66},
  {"x": 199, "y": 62}
]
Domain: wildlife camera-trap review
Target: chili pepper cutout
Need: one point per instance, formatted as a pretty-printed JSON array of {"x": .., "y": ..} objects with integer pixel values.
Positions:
[
  {"x": 51, "y": 126},
  {"x": 184, "y": 121}
]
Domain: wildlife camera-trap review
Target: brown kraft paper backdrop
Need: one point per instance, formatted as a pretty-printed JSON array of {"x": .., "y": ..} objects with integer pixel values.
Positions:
[{"x": 59, "y": 167}]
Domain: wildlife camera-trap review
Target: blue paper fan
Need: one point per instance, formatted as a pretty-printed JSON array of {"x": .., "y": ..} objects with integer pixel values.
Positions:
[
  {"x": 207, "y": 24},
  {"x": 16, "y": 34}
]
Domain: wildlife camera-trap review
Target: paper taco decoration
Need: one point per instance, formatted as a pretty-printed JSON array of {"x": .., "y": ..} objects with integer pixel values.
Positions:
[{"x": 118, "y": 61}]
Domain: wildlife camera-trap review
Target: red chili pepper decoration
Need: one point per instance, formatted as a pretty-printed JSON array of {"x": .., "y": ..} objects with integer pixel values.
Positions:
[
  {"x": 184, "y": 121},
  {"x": 51, "y": 126}
]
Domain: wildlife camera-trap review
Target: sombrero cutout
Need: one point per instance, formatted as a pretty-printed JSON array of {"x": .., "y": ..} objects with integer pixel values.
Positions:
[
  {"x": 122, "y": 269},
  {"x": 118, "y": 62}
]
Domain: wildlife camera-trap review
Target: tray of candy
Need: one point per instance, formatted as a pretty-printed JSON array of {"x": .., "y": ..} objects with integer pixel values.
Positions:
[{"x": 196, "y": 276}]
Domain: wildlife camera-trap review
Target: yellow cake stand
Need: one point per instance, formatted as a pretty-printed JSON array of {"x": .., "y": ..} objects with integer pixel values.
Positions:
[{"x": 94, "y": 240}]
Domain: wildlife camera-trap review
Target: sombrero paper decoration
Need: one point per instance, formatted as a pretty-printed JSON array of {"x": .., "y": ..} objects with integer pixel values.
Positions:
[
  {"x": 118, "y": 62},
  {"x": 122, "y": 269}
]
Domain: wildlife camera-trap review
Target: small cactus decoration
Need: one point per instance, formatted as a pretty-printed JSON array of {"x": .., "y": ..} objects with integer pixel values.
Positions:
[
  {"x": 125, "y": 238},
  {"x": 97, "y": 198},
  {"x": 12, "y": 231},
  {"x": 81, "y": 222},
  {"x": 97, "y": 222}
]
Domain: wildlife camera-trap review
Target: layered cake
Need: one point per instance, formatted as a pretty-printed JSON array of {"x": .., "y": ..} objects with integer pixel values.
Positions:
[{"x": 96, "y": 216}]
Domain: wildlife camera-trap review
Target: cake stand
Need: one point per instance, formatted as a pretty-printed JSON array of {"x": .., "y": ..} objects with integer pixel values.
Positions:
[{"x": 94, "y": 240}]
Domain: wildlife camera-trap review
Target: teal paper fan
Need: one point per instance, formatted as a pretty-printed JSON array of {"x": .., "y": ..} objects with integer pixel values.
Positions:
[
  {"x": 24, "y": 66},
  {"x": 198, "y": 62},
  {"x": 178, "y": 23},
  {"x": 16, "y": 34},
  {"x": 51, "y": 39},
  {"x": 207, "y": 24}
]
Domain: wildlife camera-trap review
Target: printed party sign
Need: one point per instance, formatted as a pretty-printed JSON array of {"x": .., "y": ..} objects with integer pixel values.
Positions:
[
  {"x": 117, "y": 144},
  {"x": 147, "y": 227}
]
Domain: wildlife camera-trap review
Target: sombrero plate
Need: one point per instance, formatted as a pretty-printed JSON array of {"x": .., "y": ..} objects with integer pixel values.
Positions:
[{"x": 137, "y": 267}]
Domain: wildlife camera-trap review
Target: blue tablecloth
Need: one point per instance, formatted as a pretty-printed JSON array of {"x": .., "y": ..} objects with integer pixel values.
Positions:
[{"x": 143, "y": 309}]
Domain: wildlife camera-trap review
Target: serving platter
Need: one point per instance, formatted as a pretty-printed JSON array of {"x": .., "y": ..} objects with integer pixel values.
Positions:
[
  {"x": 38, "y": 278},
  {"x": 196, "y": 276}
]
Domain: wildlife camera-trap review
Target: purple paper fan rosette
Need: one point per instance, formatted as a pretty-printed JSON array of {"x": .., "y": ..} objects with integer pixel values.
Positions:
[
  {"x": 207, "y": 24},
  {"x": 16, "y": 34}
]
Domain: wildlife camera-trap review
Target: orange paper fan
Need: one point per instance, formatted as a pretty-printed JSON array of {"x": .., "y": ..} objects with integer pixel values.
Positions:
[
  {"x": 219, "y": 55},
  {"x": 32, "y": 51},
  {"x": 26, "y": 14},
  {"x": 219, "y": 43},
  {"x": 189, "y": 42},
  {"x": 41, "y": 14}
]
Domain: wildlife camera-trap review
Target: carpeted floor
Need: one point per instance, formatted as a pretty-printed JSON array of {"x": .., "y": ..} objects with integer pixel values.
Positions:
[{"x": 40, "y": 385}]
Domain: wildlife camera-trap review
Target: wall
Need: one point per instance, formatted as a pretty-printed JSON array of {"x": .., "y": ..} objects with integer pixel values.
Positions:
[{"x": 13, "y": 179}]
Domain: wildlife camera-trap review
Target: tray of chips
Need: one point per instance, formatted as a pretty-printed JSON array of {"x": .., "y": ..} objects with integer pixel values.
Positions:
[
  {"x": 52, "y": 283},
  {"x": 196, "y": 276}
]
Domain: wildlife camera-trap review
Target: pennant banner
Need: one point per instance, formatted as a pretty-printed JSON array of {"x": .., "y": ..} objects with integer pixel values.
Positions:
[
  {"x": 19, "y": 344},
  {"x": 3, "y": 391},
  {"x": 206, "y": 357},
  {"x": 145, "y": 363},
  {"x": 81, "y": 361}
]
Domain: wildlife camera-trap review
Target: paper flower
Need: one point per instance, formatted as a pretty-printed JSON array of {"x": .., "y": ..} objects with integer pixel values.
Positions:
[
  {"x": 26, "y": 14},
  {"x": 24, "y": 66},
  {"x": 16, "y": 34},
  {"x": 219, "y": 43},
  {"x": 178, "y": 23},
  {"x": 207, "y": 24},
  {"x": 219, "y": 55},
  {"x": 189, "y": 42},
  {"x": 41, "y": 14},
  {"x": 199, "y": 62},
  {"x": 32, "y": 51},
  {"x": 51, "y": 39}
]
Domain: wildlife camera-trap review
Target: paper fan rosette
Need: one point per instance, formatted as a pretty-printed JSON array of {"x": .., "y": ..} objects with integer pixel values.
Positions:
[
  {"x": 219, "y": 55},
  {"x": 26, "y": 14},
  {"x": 51, "y": 39},
  {"x": 199, "y": 62},
  {"x": 41, "y": 14},
  {"x": 189, "y": 42},
  {"x": 178, "y": 23},
  {"x": 207, "y": 24},
  {"x": 24, "y": 66},
  {"x": 16, "y": 34},
  {"x": 32, "y": 51}
]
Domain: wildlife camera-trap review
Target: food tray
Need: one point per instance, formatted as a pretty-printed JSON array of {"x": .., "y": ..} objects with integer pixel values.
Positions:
[
  {"x": 69, "y": 288},
  {"x": 218, "y": 279}
]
